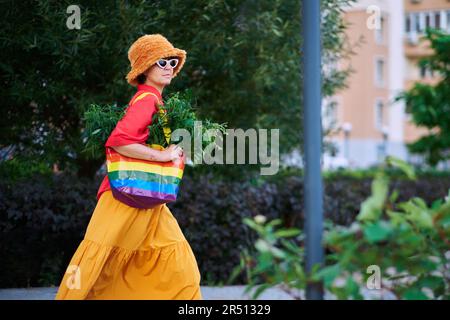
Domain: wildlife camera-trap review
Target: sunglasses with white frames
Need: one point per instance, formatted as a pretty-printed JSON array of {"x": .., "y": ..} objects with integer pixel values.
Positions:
[{"x": 163, "y": 62}]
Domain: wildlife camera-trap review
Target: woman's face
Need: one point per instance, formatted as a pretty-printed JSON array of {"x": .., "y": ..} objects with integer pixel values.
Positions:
[{"x": 160, "y": 76}]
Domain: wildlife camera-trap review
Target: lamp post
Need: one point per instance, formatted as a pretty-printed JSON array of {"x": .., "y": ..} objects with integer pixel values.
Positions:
[{"x": 313, "y": 142}]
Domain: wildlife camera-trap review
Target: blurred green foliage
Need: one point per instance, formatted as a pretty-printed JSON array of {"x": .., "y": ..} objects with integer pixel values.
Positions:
[
  {"x": 406, "y": 242},
  {"x": 429, "y": 103},
  {"x": 243, "y": 66}
]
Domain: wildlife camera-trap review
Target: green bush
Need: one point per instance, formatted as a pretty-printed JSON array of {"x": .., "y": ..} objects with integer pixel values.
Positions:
[
  {"x": 408, "y": 242},
  {"x": 43, "y": 217},
  {"x": 20, "y": 168}
]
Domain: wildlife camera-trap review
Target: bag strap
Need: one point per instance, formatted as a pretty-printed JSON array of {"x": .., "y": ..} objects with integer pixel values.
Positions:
[
  {"x": 166, "y": 129},
  {"x": 143, "y": 95}
]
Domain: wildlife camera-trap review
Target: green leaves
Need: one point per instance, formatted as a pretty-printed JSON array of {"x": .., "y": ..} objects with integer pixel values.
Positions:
[
  {"x": 377, "y": 231},
  {"x": 417, "y": 212},
  {"x": 402, "y": 165},
  {"x": 406, "y": 242},
  {"x": 100, "y": 120},
  {"x": 181, "y": 113},
  {"x": 328, "y": 274},
  {"x": 287, "y": 233},
  {"x": 372, "y": 207},
  {"x": 429, "y": 104},
  {"x": 414, "y": 294},
  {"x": 265, "y": 246},
  {"x": 279, "y": 260}
]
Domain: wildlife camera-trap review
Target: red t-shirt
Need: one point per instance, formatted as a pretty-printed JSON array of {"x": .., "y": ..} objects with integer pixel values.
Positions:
[{"x": 132, "y": 128}]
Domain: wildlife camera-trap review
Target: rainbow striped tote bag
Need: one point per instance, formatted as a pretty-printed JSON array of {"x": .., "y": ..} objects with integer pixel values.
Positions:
[{"x": 141, "y": 183}]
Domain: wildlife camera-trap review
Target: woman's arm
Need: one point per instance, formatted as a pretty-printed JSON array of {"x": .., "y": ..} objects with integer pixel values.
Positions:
[
  {"x": 133, "y": 128},
  {"x": 139, "y": 151}
]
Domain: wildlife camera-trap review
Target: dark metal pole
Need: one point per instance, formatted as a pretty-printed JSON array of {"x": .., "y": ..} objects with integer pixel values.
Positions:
[{"x": 312, "y": 128}]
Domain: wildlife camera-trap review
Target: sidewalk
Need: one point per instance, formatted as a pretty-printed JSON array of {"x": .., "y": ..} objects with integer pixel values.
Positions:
[{"x": 209, "y": 293}]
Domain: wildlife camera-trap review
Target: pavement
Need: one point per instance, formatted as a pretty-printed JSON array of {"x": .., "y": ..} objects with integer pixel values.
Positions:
[{"x": 208, "y": 293}]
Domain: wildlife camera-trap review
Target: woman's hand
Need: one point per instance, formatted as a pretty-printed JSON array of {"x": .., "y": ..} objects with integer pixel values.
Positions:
[
  {"x": 173, "y": 153},
  {"x": 139, "y": 151}
]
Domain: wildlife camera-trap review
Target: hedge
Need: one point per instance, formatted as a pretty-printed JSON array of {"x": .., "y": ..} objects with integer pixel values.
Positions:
[{"x": 43, "y": 218}]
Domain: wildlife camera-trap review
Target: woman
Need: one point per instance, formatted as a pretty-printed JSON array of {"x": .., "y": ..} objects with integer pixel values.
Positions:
[{"x": 131, "y": 253}]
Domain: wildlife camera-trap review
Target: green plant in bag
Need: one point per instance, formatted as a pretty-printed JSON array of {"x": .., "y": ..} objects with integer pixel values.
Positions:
[{"x": 179, "y": 113}]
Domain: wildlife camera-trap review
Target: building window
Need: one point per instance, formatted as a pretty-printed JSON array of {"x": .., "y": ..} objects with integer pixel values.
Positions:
[
  {"x": 417, "y": 24},
  {"x": 379, "y": 72},
  {"x": 379, "y": 114},
  {"x": 448, "y": 20},
  {"x": 437, "y": 20},
  {"x": 408, "y": 24},
  {"x": 423, "y": 72},
  {"x": 381, "y": 152},
  {"x": 379, "y": 32},
  {"x": 426, "y": 72},
  {"x": 427, "y": 20},
  {"x": 418, "y": 21}
]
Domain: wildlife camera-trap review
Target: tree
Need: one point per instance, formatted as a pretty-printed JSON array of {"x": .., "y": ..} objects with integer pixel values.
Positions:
[
  {"x": 429, "y": 104},
  {"x": 243, "y": 66}
]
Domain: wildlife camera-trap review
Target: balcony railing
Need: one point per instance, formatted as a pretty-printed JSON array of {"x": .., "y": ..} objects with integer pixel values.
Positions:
[{"x": 417, "y": 22}]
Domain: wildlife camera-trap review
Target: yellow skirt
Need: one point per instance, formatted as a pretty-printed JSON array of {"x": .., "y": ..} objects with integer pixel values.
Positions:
[{"x": 130, "y": 253}]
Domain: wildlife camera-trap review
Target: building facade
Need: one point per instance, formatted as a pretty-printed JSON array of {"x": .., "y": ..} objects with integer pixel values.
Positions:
[{"x": 366, "y": 123}]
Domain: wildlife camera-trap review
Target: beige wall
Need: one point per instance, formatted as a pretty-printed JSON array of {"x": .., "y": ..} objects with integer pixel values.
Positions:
[
  {"x": 425, "y": 5},
  {"x": 358, "y": 101},
  {"x": 422, "y": 49}
]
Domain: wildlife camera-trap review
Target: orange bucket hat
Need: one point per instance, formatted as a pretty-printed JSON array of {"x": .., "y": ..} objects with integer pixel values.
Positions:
[{"x": 148, "y": 49}]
